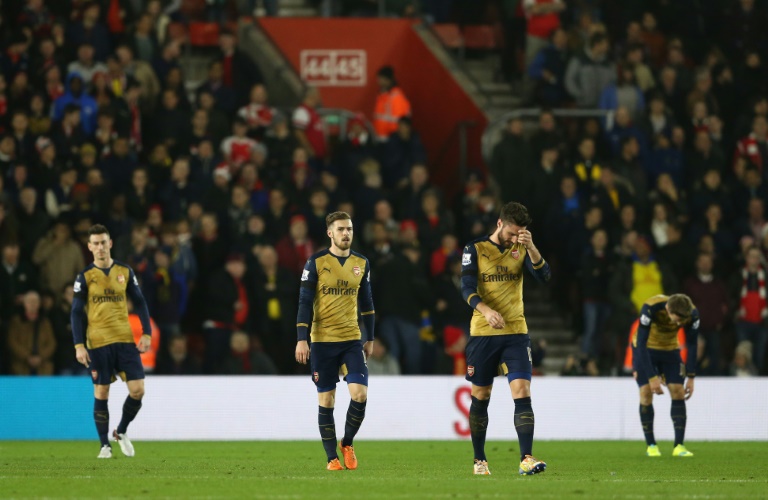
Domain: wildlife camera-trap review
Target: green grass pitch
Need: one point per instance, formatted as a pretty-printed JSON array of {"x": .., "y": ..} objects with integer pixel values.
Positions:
[{"x": 388, "y": 470}]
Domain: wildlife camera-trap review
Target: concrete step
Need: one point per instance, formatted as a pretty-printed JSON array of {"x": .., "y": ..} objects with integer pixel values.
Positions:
[
  {"x": 545, "y": 322},
  {"x": 286, "y": 11},
  {"x": 495, "y": 88}
]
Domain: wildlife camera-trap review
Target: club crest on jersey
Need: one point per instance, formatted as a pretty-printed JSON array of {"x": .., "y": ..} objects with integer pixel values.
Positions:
[
  {"x": 515, "y": 254},
  {"x": 94, "y": 374},
  {"x": 120, "y": 279},
  {"x": 316, "y": 376},
  {"x": 356, "y": 270},
  {"x": 470, "y": 370}
]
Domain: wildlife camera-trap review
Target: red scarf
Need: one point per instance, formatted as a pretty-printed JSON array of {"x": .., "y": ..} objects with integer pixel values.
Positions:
[
  {"x": 753, "y": 305},
  {"x": 242, "y": 296}
]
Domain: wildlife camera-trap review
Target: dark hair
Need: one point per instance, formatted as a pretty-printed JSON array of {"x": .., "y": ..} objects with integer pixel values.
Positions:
[
  {"x": 515, "y": 213},
  {"x": 334, "y": 216},
  {"x": 97, "y": 229},
  {"x": 597, "y": 38}
]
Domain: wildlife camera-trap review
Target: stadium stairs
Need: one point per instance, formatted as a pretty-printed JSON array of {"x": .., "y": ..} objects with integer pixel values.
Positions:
[
  {"x": 473, "y": 59},
  {"x": 545, "y": 322}
]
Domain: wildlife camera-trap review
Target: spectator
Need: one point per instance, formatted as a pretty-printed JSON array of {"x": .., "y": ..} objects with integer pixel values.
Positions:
[
  {"x": 64, "y": 361},
  {"x": 308, "y": 126},
  {"x": 140, "y": 195},
  {"x": 145, "y": 43},
  {"x": 588, "y": 73},
  {"x": 227, "y": 307},
  {"x": 223, "y": 94},
  {"x": 178, "y": 361},
  {"x": 58, "y": 257},
  {"x": 547, "y": 69},
  {"x": 168, "y": 292},
  {"x": 391, "y": 104},
  {"x": 180, "y": 192},
  {"x": 402, "y": 294},
  {"x": 89, "y": 29},
  {"x": 586, "y": 167},
  {"x": 678, "y": 254},
  {"x": 86, "y": 65},
  {"x": 543, "y": 19},
  {"x": 755, "y": 145},
  {"x": 407, "y": 199},
  {"x": 749, "y": 289},
  {"x": 295, "y": 248},
  {"x": 742, "y": 365},
  {"x": 239, "y": 72},
  {"x": 245, "y": 360},
  {"x": 624, "y": 93},
  {"x": 275, "y": 291},
  {"x": 706, "y": 156},
  {"x": 172, "y": 125},
  {"x": 511, "y": 162},
  {"x": 167, "y": 60},
  {"x": 596, "y": 269},
  {"x": 68, "y": 135},
  {"x": 710, "y": 294},
  {"x": 635, "y": 281},
  {"x": 31, "y": 341},
  {"x": 32, "y": 219},
  {"x": 75, "y": 94},
  {"x": 258, "y": 114},
  {"x": 17, "y": 277},
  {"x": 119, "y": 165},
  {"x": 381, "y": 362}
]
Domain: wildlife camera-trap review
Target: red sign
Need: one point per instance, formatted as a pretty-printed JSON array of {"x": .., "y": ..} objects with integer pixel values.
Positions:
[{"x": 333, "y": 68}]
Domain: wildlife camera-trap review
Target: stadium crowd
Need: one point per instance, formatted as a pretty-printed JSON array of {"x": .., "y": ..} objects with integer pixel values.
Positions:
[{"x": 216, "y": 198}]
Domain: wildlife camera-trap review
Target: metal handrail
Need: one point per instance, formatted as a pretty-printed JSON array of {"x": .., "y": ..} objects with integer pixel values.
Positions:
[{"x": 492, "y": 132}]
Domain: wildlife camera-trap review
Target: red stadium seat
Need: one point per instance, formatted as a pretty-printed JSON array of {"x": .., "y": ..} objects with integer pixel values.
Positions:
[
  {"x": 178, "y": 32},
  {"x": 449, "y": 34},
  {"x": 204, "y": 34},
  {"x": 481, "y": 36}
]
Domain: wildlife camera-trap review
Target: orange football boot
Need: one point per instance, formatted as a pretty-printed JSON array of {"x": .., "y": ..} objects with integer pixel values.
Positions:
[
  {"x": 335, "y": 465},
  {"x": 350, "y": 460}
]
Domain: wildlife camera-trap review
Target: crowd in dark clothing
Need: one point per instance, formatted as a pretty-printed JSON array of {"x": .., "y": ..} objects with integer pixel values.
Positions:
[
  {"x": 667, "y": 192},
  {"x": 216, "y": 199}
]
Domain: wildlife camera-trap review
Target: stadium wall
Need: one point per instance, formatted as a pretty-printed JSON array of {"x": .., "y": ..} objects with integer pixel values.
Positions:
[
  {"x": 342, "y": 56},
  {"x": 400, "y": 408}
]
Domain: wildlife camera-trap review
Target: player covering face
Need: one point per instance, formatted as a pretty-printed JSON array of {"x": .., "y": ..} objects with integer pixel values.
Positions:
[
  {"x": 492, "y": 284},
  {"x": 335, "y": 291}
]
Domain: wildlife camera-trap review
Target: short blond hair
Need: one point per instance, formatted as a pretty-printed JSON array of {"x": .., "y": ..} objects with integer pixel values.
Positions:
[
  {"x": 680, "y": 305},
  {"x": 334, "y": 216}
]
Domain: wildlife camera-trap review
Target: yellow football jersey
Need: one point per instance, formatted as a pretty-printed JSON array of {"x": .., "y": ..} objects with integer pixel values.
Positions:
[
  {"x": 494, "y": 275},
  {"x": 104, "y": 292},
  {"x": 337, "y": 284}
]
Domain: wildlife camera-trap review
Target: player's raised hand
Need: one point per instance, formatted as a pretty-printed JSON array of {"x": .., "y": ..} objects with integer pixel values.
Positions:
[
  {"x": 688, "y": 388},
  {"x": 81, "y": 353},
  {"x": 524, "y": 238},
  {"x": 655, "y": 384},
  {"x": 144, "y": 343},
  {"x": 302, "y": 352}
]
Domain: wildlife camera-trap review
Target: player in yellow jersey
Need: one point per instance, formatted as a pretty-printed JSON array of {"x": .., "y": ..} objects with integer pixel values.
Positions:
[
  {"x": 656, "y": 359},
  {"x": 103, "y": 337},
  {"x": 335, "y": 292},
  {"x": 492, "y": 284}
]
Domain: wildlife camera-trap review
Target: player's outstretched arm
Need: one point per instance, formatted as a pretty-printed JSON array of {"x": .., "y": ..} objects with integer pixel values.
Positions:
[
  {"x": 644, "y": 357},
  {"x": 304, "y": 316},
  {"x": 79, "y": 320},
  {"x": 140, "y": 306},
  {"x": 692, "y": 342}
]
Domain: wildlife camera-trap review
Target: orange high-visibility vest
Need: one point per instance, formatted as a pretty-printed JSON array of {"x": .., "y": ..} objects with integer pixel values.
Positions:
[
  {"x": 633, "y": 334},
  {"x": 390, "y": 107},
  {"x": 149, "y": 358}
]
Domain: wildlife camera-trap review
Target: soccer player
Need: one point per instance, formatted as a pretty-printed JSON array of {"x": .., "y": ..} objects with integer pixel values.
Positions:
[
  {"x": 492, "y": 284},
  {"x": 333, "y": 282},
  {"x": 103, "y": 337},
  {"x": 657, "y": 359}
]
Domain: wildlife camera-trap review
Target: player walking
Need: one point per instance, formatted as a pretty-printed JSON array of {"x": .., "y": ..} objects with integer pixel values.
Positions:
[
  {"x": 332, "y": 283},
  {"x": 103, "y": 336},
  {"x": 492, "y": 284},
  {"x": 657, "y": 359}
]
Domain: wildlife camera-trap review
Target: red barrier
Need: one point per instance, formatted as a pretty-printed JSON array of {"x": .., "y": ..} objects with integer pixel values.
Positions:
[{"x": 341, "y": 57}]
